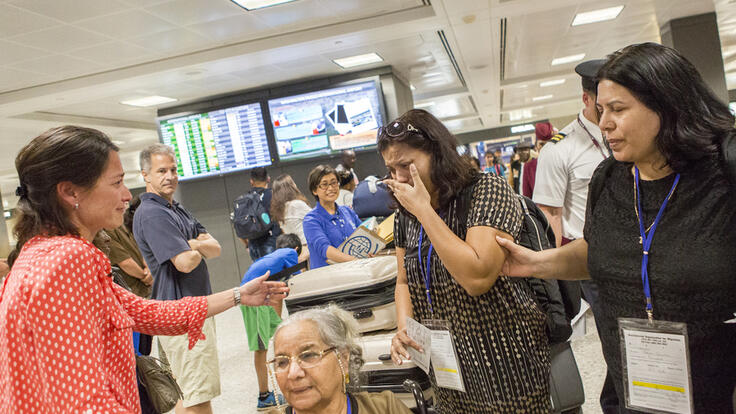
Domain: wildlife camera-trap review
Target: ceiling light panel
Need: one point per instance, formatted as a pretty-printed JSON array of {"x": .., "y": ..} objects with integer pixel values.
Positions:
[
  {"x": 358, "y": 60},
  {"x": 596, "y": 16},
  {"x": 542, "y": 98},
  {"x": 549, "y": 83},
  {"x": 567, "y": 59},
  {"x": 259, "y": 4},
  {"x": 148, "y": 101}
]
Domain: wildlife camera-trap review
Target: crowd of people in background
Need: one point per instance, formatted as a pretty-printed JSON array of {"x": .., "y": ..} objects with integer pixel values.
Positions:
[{"x": 637, "y": 158}]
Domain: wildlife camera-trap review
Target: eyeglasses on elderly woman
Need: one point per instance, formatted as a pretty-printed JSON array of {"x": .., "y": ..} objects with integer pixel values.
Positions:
[{"x": 307, "y": 359}]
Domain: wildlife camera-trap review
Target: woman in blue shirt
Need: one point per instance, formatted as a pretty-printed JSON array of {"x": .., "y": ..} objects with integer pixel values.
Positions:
[{"x": 327, "y": 225}]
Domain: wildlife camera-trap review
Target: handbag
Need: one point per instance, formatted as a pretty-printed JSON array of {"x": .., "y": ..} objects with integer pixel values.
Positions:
[
  {"x": 565, "y": 384},
  {"x": 160, "y": 385}
]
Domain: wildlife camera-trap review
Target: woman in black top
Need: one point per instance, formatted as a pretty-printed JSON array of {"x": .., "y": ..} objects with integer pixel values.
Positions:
[
  {"x": 448, "y": 218},
  {"x": 662, "y": 123}
]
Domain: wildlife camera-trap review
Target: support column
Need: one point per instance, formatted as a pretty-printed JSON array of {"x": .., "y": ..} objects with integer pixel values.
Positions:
[{"x": 697, "y": 38}]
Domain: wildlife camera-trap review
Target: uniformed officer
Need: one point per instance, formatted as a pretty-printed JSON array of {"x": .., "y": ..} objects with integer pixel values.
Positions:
[{"x": 564, "y": 169}]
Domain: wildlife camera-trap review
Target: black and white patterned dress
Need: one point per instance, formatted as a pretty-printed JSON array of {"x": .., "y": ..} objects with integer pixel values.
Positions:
[{"x": 499, "y": 336}]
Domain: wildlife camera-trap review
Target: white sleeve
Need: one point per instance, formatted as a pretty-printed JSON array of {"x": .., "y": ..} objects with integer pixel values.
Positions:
[{"x": 551, "y": 179}]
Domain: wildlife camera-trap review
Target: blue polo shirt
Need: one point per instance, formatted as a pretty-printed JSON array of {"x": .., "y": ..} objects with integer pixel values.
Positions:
[
  {"x": 322, "y": 230},
  {"x": 162, "y": 230},
  {"x": 274, "y": 262}
]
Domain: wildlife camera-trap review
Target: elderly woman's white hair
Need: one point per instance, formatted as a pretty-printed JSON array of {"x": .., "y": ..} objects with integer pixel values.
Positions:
[{"x": 337, "y": 328}]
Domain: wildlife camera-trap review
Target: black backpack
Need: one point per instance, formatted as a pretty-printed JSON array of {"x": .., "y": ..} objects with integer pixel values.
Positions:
[
  {"x": 250, "y": 217},
  {"x": 558, "y": 299}
]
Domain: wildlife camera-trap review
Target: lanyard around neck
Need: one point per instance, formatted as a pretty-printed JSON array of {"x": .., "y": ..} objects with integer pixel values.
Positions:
[
  {"x": 647, "y": 237},
  {"x": 592, "y": 138},
  {"x": 426, "y": 270}
]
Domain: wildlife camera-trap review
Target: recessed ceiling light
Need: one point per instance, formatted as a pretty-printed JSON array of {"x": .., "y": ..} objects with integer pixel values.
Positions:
[
  {"x": 358, "y": 60},
  {"x": 148, "y": 101},
  {"x": 551, "y": 83},
  {"x": 568, "y": 59},
  {"x": 596, "y": 16},
  {"x": 522, "y": 128},
  {"x": 542, "y": 98},
  {"x": 424, "y": 105},
  {"x": 258, "y": 4}
]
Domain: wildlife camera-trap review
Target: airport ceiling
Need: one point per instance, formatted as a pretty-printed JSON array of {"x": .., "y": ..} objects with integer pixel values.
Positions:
[{"x": 473, "y": 63}]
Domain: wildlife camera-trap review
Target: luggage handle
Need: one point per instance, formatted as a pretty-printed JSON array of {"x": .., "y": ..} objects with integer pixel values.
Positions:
[
  {"x": 384, "y": 357},
  {"x": 362, "y": 314}
]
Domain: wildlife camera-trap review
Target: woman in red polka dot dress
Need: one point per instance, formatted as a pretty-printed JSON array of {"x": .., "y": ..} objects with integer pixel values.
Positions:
[{"x": 65, "y": 328}]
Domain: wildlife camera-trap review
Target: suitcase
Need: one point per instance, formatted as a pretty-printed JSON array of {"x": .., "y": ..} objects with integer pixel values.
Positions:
[
  {"x": 364, "y": 287},
  {"x": 379, "y": 373}
]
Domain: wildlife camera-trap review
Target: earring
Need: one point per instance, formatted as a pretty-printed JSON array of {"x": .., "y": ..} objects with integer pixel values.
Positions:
[
  {"x": 345, "y": 374},
  {"x": 76, "y": 206}
]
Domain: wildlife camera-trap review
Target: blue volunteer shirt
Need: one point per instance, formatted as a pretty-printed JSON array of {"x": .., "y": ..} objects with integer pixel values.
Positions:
[
  {"x": 322, "y": 230},
  {"x": 162, "y": 231},
  {"x": 274, "y": 262}
]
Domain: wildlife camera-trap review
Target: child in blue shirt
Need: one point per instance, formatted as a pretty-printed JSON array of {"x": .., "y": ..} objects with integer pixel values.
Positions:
[{"x": 261, "y": 321}]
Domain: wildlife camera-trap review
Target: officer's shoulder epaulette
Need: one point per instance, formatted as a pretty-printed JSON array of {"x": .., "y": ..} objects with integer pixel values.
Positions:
[{"x": 558, "y": 137}]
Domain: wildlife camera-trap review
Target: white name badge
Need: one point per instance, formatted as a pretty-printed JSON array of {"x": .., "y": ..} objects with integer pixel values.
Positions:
[
  {"x": 444, "y": 359},
  {"x": 655, "y": 361}
]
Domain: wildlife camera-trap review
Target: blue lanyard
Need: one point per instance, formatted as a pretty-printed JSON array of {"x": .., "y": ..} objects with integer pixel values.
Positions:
[
  {"x": 427, "y": 274},
  {"x": 647, "y": 237}
]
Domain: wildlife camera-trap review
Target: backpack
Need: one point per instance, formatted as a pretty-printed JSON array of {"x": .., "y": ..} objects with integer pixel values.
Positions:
[
  {"x": 250, "y": 217},
  {"x": 558, "y": 299},
  {"x": 372, "y": 198}
]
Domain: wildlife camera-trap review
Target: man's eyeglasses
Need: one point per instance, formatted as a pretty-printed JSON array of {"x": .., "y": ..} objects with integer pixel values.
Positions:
[
  {"x": 305, "y": 360},
  {"x": 333, "y": 183},
  {"x": 397, "y": 129}
]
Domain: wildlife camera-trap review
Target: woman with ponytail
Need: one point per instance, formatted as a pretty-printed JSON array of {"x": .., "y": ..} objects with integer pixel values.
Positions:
[{"x": 65, "y": 327}]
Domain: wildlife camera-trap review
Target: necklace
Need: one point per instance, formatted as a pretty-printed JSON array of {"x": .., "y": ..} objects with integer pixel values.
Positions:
[{"x": 636, "y": 209}]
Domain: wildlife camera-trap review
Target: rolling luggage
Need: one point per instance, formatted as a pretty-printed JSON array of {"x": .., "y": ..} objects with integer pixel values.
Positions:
[
  {"x": 364, "y": 287},
  {"x": 379, "y": 373}
]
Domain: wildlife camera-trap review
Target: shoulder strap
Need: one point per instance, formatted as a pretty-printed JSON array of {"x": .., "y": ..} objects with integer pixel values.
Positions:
[{"x": 286, "y": 273}]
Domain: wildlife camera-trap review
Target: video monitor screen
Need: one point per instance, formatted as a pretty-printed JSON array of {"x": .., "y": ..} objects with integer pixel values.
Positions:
[
  {"x": 326, "y": 121},
  {"x": 217, "y": 142}
]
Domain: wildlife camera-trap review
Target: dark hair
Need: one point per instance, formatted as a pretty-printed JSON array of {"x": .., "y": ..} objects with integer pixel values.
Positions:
[
  {"x": 290, "y": 241},
  {"x": 475, "y": 162},
  {"x": 345, "y": 177},
  {"x": 259, "y": 174},
  {"x": 284, "y": 189},
  {"x": 590, "y": 85},
  {"x": 449, "y": 171},
  {"x": 130, "y": 213},
  {"x": 693, "y": 121},
  {"x": 316, "y": 175},
  {"x": 67, "y": 153}
]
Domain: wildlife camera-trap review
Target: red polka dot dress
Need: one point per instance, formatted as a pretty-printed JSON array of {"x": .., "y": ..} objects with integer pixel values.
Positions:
[{"x": 66, "y": 331}]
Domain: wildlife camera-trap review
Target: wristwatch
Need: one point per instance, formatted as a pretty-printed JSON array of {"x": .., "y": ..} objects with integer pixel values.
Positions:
[{"x": 236, "y": 296}]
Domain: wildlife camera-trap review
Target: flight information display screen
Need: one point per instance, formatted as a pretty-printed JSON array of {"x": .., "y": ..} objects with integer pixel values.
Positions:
[
  {"x": 217, "y": 142},
  {"x": 326, "y": 121}
]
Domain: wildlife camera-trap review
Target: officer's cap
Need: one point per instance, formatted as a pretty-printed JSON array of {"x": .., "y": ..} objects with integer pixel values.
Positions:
[{"x": 589, "y": 69}]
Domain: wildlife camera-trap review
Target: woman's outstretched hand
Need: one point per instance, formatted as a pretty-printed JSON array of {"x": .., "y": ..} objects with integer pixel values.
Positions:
[
  {"x": 415, "y": 199},
  {"x": 259, "y": 292},
  {"x": 520, "y": 261}
]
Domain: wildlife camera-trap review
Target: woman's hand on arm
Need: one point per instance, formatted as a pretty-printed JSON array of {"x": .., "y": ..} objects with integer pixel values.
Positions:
[
  {"x": 569, "y": 262},
  {"x": 403, "y": 310}
]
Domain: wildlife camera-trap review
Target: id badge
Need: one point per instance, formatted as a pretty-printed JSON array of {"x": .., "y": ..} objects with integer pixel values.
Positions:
[
  {"x": 443, "y": 356},
  {"x": 655, "y": 362}
]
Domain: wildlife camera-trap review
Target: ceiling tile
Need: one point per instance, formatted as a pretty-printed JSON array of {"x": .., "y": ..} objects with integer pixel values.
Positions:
[
  {"x": 13, "y": 79},
  {"x": 304, "y": 13},
  {"x": 230, "y": 29},
  {"x": 132, "y": 23},
  {"x": 13, "y": 52},
  {"x": 114, "y": 53},
  {"x": 176, "y": 40},
  {"x": 71, "y": 11},
  {"x": 58, "y": 66},
  {"x": 61, "y": 39},
  {"x": 186, "y": 12},
  {"x": 14, "y": 21}
]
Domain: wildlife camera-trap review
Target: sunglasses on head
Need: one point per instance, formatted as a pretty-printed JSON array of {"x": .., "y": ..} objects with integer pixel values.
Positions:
[{"x": 397, "y": 129}]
